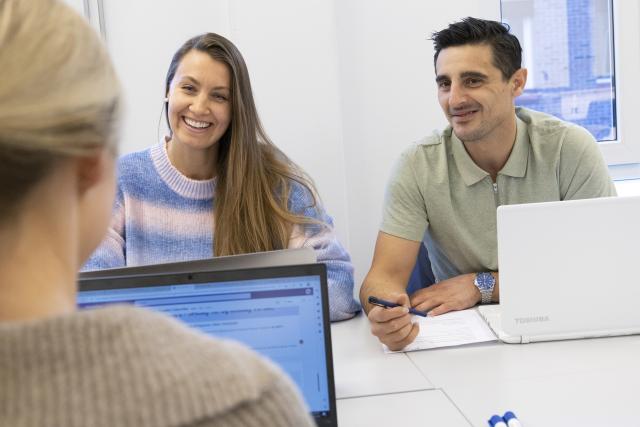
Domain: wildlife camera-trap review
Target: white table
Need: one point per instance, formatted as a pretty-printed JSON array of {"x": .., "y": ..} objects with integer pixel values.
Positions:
[
  {"x": 363, "y": 369},
  {"x": 593, "y": 382},
  {"x": 413, "y": 408},
  {"x": 378, "y": 389}
]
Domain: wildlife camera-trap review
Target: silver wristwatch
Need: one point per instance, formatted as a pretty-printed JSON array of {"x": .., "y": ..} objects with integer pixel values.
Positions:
[{"x": 485, "y": 283}]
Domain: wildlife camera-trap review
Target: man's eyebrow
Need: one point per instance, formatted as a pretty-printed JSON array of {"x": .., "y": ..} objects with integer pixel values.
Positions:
[
  {"x": 473, "y": 74},
  {"x": 464, "y": 75}
]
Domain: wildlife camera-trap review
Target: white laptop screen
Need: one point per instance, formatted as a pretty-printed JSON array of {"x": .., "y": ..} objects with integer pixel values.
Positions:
[
  {"x": 569, "y": 269},
  {"x": 278, "y": 315}
]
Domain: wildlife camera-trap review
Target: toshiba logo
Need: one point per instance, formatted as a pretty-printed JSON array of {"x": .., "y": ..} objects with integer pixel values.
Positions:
[{"x": 532, "y": 319}]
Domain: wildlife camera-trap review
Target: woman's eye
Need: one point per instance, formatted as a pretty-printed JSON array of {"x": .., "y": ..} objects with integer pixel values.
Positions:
[{"x": 188, "y": 88}]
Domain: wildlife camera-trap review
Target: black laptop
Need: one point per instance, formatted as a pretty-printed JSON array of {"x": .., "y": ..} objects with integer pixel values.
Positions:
[{"x": 280, "y": 312}]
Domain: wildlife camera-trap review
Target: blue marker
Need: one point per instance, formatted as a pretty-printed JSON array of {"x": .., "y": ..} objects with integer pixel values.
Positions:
[
  {"x": 511, "y": 420},
  {"x": 388, "y": 304},
  {"x": 497, "y": 421}
]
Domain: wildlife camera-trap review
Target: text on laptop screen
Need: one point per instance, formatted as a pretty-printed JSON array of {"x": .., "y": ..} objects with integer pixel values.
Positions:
[{"x": 281, "y": 318}]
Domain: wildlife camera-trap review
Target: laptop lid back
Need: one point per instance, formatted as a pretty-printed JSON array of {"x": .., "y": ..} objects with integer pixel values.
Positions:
[
  {"x": 280, "y": 312},
  {"x": 570, "y": 269},
  {"x": 230, "y": 262}
]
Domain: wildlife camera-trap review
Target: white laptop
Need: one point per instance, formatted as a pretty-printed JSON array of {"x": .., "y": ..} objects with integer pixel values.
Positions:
[{"x": 568, "y": 270}]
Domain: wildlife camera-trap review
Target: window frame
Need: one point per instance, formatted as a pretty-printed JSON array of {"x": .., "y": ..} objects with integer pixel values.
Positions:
[
  {"x": 623, "y": 152},
  {"x": 626, "y": 55}
]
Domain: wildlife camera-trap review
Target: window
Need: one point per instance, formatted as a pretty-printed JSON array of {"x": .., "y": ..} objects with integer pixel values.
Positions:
[
  {"x": 578, "y": 64},
  {"x": 568, "y": 52}
]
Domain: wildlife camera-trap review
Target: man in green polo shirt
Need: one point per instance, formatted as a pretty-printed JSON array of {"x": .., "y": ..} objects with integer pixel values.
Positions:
[{"x": 446, "y": 187}]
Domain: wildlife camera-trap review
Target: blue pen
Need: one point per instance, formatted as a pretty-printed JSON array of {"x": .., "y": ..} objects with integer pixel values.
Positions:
[
  {"x": 497, "y": 421},
  {"x": 388, "y": 304},
  {"x": 511, "y": 420}
]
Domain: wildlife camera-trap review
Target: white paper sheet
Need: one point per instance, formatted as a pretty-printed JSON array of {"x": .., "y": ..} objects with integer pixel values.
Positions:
[{"x": 450, "y": 329}]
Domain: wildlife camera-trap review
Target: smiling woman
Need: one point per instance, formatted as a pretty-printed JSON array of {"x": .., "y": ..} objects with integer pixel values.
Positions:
[
  {"x": 217, "y": 185},
  {"x": 198, "y": 113}
]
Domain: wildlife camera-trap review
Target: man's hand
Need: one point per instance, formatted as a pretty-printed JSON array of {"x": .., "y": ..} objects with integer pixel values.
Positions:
[
  {"x": 457, "y": 293},
  {"x": 393, "y": 326}
]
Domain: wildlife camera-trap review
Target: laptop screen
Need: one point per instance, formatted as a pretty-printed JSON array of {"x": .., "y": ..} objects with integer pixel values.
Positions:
[{"x": 280, "y": 312}]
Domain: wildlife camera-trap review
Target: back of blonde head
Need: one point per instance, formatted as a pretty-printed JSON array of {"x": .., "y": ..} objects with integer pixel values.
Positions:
[{"x": 59, "y": 94}]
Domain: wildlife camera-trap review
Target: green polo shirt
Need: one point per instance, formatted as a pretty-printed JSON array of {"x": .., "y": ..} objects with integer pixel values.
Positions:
[{"x": 438, "y": 194}]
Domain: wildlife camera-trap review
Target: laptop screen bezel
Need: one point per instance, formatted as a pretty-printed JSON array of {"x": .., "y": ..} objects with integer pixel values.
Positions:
[{"x": 124, "y": 280}]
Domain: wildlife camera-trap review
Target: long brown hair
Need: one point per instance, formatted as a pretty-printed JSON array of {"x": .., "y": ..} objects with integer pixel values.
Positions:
[{"x": 254, "y": 178}]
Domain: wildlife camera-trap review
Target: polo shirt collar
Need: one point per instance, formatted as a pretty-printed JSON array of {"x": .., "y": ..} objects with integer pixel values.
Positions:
[{"x": 516, "y": 165}]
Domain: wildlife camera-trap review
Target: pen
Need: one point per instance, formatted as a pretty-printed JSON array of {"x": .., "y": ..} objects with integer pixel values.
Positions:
[
  {"x": 388, "y": 304},
  {"x": 511, "y": 420}
]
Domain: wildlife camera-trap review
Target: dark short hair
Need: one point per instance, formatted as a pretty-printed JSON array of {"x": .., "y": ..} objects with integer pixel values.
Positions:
[{"x": 507, "y": 53}]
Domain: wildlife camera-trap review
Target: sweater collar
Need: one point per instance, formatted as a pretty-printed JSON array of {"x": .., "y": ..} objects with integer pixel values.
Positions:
[{"x": 184, "y": 186}]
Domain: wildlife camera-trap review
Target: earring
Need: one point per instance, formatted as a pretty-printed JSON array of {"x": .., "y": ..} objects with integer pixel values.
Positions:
[{"x": 166, "y": 100}]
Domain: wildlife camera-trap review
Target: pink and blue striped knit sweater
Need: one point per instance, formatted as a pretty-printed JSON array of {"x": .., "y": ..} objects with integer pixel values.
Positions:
[{"x": 162, "y": 216}]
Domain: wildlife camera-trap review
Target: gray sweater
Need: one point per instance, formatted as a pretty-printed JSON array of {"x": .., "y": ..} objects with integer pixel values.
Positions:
[{"x": 123, "y": 366}]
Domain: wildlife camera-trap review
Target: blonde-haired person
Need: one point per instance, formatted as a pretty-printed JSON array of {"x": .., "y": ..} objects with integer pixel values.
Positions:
[
  {"x": 218, "y": 162},
  {"x": 117, "y": 366}
]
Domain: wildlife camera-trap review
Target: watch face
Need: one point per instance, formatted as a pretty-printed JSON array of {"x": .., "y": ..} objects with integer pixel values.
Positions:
[{"x": 485, "y": 281}]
